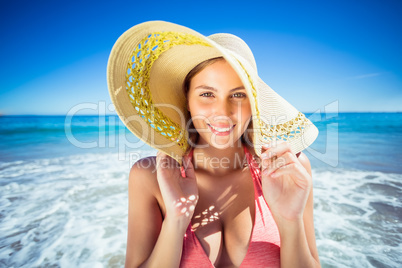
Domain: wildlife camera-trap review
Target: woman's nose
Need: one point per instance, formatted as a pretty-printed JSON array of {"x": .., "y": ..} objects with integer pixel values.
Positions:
[{"x": 225, "y": 108}]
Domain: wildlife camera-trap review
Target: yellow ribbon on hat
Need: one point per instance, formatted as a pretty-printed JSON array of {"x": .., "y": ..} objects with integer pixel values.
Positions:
[{"x": 137, "y": 78}]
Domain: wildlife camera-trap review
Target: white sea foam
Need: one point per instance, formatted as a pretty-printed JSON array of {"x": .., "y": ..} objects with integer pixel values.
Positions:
[
  {"x": 68, "y": 212},
  {"x": 72, "y": 212},
  {"x": 358, "y": 218}
]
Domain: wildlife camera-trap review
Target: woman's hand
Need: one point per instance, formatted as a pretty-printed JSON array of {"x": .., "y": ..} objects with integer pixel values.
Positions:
[
  {"x": 286, "y": 183},
  {"x": 180, "y": 194}
]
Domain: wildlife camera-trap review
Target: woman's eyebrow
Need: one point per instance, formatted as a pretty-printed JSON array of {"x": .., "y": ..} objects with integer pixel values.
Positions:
[
  {"x": 214, "y": 89},
  {"x": 206, "y": 87},
  {"x": 237, "y": 88}
]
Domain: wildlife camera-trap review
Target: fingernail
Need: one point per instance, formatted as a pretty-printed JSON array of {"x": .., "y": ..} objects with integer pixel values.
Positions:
[{"x": 183, "y": 172}]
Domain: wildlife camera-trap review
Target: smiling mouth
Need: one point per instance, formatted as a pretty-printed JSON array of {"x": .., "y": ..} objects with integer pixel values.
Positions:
[{"x": 221, "y": 130}]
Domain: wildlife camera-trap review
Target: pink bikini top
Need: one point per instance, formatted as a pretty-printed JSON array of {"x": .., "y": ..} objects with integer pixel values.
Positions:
[{"x": 264, "y": 247}]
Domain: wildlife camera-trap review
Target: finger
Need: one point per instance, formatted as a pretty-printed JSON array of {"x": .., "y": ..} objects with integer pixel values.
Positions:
[
  {"x": 188, "y": 167},
  {"x": 272, "y": 144},
  {"x": 277, "y": 148},
  {"x": 267, "y": 158},
  {"x": 285, "y": 159},
  {"x": 272, "y": 154},
  {"x": 300, "y": 177}
]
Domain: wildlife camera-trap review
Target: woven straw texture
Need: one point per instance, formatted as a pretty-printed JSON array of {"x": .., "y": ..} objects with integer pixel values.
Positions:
[{"x": 146, "y": 69}]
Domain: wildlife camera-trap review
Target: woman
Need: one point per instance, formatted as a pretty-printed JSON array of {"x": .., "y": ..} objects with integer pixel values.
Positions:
[{"x": 228, "y": 205}]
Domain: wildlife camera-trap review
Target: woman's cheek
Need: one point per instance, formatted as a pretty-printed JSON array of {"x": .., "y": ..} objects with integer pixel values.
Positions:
[{"x": 201, "y": 110}]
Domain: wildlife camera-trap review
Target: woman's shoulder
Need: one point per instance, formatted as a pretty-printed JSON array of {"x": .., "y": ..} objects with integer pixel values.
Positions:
[
  {"x": 143, "y": 174},
  {"x": 146, "y": 164}
]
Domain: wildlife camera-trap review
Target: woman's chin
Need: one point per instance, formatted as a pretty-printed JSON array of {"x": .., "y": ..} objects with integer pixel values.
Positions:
[{"x": 222, "y": 143}]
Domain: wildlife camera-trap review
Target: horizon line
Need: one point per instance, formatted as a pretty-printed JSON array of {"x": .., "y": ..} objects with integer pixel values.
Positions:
[{"x": 115, "y": 114}]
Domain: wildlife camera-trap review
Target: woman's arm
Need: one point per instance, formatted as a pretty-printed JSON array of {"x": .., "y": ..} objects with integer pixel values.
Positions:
[
  {"x": 151, "y": 241},
  {"x": 287, "y": 187},
  {"x": 298, "y": 242}
]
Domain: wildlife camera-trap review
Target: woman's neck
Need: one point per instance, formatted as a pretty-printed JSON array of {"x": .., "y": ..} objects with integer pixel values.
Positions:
[{"x": 219, "y": 161}]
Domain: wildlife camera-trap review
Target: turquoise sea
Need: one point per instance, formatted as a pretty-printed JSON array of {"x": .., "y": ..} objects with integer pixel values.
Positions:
[{"x": 63, "y": 189}]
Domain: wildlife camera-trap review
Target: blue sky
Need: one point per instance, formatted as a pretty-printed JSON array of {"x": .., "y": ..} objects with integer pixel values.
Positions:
[{"x": 316, "y": 54}]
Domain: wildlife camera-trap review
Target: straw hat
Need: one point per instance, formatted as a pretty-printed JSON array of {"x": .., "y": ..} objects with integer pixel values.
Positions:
[{"x": 145, "y": 73}]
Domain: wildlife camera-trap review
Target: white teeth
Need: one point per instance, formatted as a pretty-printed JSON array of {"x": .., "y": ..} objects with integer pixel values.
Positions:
[{"x": 220, "y": 129}]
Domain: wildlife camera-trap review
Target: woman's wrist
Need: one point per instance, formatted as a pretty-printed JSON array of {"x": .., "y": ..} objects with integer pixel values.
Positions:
[
  {"x": 287, "y": 219},
  {"x": 178, "y": 224},
  {"x": 168, "y": 248},
  {"x": 289, "y": 227}
]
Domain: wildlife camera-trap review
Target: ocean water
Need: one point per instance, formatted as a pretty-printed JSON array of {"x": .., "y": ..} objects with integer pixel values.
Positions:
[{"x": 63, "y": 190}]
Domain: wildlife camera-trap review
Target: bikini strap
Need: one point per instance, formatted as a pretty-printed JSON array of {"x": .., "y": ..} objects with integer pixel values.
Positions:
[
  {"x": 253, "y": 165},
  {"x": 256, "y": 174}
]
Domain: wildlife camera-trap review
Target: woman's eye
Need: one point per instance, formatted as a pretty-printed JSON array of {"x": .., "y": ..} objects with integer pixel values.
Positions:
[
  {"x": 239, "y": 95},
  {"x": 206, "y": 94}
]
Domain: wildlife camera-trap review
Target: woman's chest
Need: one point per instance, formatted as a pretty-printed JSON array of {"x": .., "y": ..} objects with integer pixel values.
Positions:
[{"x": 223, "y": 219}]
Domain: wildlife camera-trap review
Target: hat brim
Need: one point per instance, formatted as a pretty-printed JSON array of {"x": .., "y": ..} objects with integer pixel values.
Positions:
[{"x": 146, "y": 70}]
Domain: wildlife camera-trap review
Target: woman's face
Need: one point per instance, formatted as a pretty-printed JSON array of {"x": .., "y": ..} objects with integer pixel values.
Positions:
[{"x": 219, "y": 106}]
